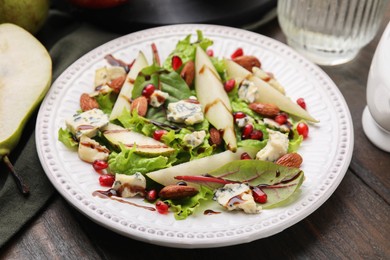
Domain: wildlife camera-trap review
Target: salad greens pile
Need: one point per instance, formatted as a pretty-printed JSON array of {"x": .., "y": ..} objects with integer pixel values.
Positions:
[{"x": 279, "y": 182}]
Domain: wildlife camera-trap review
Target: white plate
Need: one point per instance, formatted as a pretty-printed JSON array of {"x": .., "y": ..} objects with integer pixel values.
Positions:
[{"x": 326, "y": 153}]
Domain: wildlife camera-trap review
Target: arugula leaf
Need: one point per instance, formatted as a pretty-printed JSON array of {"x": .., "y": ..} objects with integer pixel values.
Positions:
[
  {"x": 66, "y": 137},
  {"x": 185, "y": 207}
]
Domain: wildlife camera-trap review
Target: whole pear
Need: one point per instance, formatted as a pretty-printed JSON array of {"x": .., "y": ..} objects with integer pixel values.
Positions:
[{"x": 28, "y": 14}]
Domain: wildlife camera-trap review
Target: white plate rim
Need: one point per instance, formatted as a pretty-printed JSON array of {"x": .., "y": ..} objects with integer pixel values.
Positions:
[{"x": 168, "y": 236}]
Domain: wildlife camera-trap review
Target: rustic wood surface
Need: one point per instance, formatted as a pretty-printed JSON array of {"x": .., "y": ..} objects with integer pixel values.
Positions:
[{"x": 353, "y": 223}]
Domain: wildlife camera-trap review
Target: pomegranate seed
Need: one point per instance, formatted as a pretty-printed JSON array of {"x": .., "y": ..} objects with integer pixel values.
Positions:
[
  {"x": 229, "y": 85},
  {"x": 256, "y": 135},
  {"x": 106, "y": 180},
  {"x": 148, "y": 90},
  {"x": 245, "y": 156},
  {"x": 246, "y": 132},
  {"x": 237, "y": 53},
  {"x": 281, "y": 118},
  {"x": 176, "y": 62},
  {"x": 210, "y": 53},
  {"x": 159, "y": 133},
  {"x": 301, "y": 102},
  {"x": 303, "y": 129},
  {"x": 162, "y": 207},
  {"x": 151, "y": 195},
  {"x": 99, "y": 165},
  {"x": 239, "y": 115},
  {"x": 259, "y": 195}
]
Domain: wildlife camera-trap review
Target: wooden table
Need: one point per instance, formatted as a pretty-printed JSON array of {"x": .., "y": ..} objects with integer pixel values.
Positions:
[{"x": 353, "y": 223}]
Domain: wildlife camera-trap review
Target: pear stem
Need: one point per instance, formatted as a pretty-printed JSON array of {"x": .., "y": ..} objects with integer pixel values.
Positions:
[{"x": 19, "y": 181}]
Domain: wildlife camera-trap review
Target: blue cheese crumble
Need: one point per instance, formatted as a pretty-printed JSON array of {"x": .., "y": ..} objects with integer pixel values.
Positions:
[
  {"x": 158, "y": 98},
  {"x": 188, "y": 112},
  {"x": 277, "y": 146},
  {"x": 129, "y": 185},
  {"x": 248, "y": 91},
  {"x": 194, "y": 139},
  {"x": 237, "y": 196},
  {"x": 87, "y": 123}
]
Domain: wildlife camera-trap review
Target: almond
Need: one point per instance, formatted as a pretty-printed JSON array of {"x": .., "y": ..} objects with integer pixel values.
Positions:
[
  {"x": 264, "y": 109},
  {"x": 188, "y": 73},
  {"x": 215, "y": 137},
  {"x": 140, "y": 104},
  {"x": 177, "y": 192},
  {"x": 290, "y": 160},
  {"x": 248, "y": 62},
  {"x": 87, "y": 102},
  {"x": 116, "y": 84}
]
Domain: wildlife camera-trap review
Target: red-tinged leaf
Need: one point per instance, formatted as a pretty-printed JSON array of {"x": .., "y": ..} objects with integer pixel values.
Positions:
[
  {"x": 156, "y": 56},
  {"x": 278, "y": 182}
]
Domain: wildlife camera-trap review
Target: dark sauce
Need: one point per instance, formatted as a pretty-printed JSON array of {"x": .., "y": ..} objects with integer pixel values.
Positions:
[
  {"x": 111, "y": 194},
  {"x": 210, "y": 212}
]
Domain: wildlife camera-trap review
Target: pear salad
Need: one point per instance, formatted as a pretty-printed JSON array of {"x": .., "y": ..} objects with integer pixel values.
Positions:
[{"x": 190, "y": 129}]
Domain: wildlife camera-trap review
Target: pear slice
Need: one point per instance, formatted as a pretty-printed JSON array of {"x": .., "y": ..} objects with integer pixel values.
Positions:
[
  {"x": 144, "y": 145},
  {"x": 197, "y": 167},
  {"x": 25, "y": 77},
  {"x": 214, "y": 99},
  {"x": 267, "y": 94},
  {"x": 124, "y": 98}
]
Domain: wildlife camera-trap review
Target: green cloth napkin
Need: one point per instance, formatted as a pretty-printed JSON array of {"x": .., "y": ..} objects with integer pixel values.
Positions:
[{"x": 16, "y": 210}]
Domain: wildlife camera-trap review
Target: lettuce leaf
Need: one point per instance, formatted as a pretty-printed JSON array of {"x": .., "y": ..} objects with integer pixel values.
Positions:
[
  {"x": 66, "y": 137},
  {"x": 186, "y": 49},
  {"x": 127, "y": 161},
  {"x": 185, "y": 207},
  {"x": 106, "y": 102}
]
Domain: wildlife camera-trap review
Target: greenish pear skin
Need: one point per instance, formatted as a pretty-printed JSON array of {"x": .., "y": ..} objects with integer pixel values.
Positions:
[
  {"x": 19, "y": 93},
  {"x": 28, "y": 14}
]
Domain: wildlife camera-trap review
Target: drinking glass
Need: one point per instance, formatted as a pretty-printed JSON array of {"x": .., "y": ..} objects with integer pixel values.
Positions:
[{"x": 330, "y": 32}]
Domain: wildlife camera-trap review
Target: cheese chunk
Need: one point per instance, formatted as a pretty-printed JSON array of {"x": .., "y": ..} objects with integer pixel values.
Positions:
[
  {"x": 188, "y": 112},
  {"x": 87, "y": 123},
  {"x": 129, "y": 185},
  {"x": 158, "y": 98},
  {"x": 195, "y": 139},
  {"x": 276, "y": 147},
  {"x": 248, "y": 91},
  {"x": 237, "y": 196},
  {"x": 89, "y": 150}
]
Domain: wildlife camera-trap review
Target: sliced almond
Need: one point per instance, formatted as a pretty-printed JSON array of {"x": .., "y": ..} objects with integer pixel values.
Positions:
[
  {"x": 87, "y": 102},
  {"x": 117, "y": 83},
  {"x": 248, "y": 62},
  {"x": 188, "y": 73},
  {"x": 264, "y": 109},
  {"x": 177, "y": 192},
  {"x": 290, "y": 160},
  {"x": 140, "y": 104},
  {"x": 215, "y": 137}
]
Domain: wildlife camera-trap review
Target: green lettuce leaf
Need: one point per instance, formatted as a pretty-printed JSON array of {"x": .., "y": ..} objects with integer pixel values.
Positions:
[
  {"x": 185, "y": 207},
  {"x": 106, "y": 102},
  {"x": 295, "y": 141},
  {"x": 66, "y": 137},
  {"x": 127, "y": 161},
  {"x": 186, "y": 49}
]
